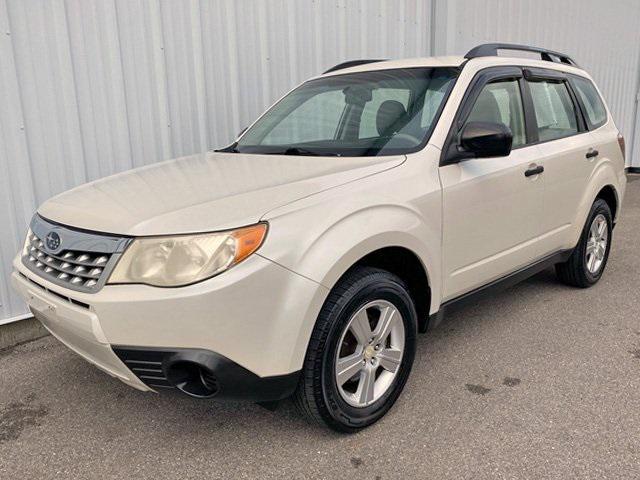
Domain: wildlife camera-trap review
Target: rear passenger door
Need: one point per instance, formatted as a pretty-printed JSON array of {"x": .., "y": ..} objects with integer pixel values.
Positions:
[
  {"x": 491, "y": 207},
  {"x": 566, "y": 152}
]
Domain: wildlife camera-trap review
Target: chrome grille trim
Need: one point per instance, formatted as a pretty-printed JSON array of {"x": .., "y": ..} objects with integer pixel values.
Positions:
[{"x": 80, "y": 261}]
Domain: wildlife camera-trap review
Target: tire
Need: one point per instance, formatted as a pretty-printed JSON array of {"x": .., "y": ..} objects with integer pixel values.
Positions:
[
  {"x": 358, "y": 296},
  {"x": 580, "y": 270}
]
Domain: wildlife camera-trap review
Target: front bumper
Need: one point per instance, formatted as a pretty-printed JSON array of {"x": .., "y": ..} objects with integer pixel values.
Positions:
[
  {"x": 223, "y": 378},
  {"x": 75, "y": 326},
  {"x": 253, "y": 322}
]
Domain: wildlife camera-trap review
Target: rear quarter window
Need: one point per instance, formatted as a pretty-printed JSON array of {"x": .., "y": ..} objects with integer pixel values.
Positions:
[{"x": 591, "y": 101}]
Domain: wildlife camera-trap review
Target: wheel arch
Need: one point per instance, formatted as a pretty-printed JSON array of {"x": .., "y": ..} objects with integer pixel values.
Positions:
[
  {"x": 602, "y": 184},
  {"x": 609, "y": 194},
  {"x": 407, "y": 266},
  {"x": 355, "y": 234},
  {"x": 400, "y": 258},
  {"x": 393, "y": 239}
]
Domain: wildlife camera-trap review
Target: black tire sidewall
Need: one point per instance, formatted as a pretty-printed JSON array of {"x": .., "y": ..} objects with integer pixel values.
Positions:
[
  {"x": 383, "y": 288},
  {"x": 599, "y": 207}
]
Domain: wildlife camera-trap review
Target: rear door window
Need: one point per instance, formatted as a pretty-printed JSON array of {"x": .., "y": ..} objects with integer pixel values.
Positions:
[
  {"x": 555, "y": 111},
  {"x": 591, "y": 101}
]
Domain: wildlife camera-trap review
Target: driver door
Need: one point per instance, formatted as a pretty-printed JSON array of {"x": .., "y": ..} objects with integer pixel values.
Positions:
[{"x": 491, "y": 209}]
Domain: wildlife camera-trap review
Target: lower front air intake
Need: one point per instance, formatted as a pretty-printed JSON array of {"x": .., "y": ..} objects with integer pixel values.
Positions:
[{"x": 203, "y": 374}]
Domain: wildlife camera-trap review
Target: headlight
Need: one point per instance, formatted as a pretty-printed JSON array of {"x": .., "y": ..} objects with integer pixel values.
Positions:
[{"x": 185, "y": 259}]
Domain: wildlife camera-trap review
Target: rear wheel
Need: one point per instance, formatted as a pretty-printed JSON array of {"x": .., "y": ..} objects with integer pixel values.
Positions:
[
  {"x": 587, "y": 262},
  {"x": 361, "y": 351}
]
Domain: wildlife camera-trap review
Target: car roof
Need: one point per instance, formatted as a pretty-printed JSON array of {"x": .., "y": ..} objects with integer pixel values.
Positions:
[
  {"x": 401, "y": 63},
  {"x": 455, "y": 61}
]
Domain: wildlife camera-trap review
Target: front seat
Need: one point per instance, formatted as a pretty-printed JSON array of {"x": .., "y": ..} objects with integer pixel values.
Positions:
[
  {"x": 391, "y": 117},
  {"x": 486, "y": 109}
]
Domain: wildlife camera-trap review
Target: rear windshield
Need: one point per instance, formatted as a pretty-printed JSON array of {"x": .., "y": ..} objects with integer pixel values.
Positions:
[{"x": 386, "y": 112}]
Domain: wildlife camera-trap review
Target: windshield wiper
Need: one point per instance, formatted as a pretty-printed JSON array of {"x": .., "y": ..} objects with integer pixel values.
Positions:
[
  {"x": 299, "y": 151},
  {"x": 287, "y": 151},
  {"x": 311, "y": 153},
  {"x": 230, "y": 149}
]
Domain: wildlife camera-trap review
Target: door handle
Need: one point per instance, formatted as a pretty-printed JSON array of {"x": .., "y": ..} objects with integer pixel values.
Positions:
[
  {"x": 592, "y": 153},
  {"x": 534, "y": 171}
]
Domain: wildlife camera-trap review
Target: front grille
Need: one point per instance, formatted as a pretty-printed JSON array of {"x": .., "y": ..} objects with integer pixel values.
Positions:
[
  {"x": 69, "y": 257},
  {"x": 77, "y": 268}
]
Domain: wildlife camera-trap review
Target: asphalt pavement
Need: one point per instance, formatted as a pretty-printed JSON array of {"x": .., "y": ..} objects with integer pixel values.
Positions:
[{"x": 539, "y": 381}]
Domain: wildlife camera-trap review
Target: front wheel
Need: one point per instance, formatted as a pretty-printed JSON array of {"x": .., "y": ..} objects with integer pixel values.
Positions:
[
  {"x": 361, "y": 351},
  {"x": 588, "y": 260}
]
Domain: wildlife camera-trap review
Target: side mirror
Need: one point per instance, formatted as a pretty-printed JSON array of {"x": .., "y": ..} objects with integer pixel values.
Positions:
[{"x": 486, "y": 139}]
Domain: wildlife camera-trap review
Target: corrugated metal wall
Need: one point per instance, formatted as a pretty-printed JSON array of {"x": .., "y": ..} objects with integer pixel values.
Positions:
[
  {"x": 602, "y": 36},
  {"x": 92, "y": 87}
]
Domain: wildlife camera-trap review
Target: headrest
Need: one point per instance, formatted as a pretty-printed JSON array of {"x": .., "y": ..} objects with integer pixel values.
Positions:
[{"x": 391, "y": 113}]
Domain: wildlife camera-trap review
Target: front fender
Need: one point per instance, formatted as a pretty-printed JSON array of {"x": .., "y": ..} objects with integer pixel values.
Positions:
[
  {"x": 325, "y": 250},
  {"x": 327, "y": 247},
  {"x": 361, "y": 233}
]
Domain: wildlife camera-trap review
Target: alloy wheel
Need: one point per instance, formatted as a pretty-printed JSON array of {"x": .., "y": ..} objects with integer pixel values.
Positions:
[
  {"x": 597, "y": 244},
  {"x": 369, "y": 353}
]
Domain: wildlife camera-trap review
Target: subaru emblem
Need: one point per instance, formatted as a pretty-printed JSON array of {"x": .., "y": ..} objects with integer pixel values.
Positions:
[{"x": 53, "y": 241}]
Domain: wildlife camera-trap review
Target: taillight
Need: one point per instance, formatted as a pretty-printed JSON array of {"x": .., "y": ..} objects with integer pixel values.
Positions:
[{"x": 621, "y": 143}]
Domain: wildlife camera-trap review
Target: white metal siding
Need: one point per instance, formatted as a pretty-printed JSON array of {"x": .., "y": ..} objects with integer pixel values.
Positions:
[
  {"x": 93, "y": 87},
  {"x": 603, "y": 37},
  {"x": 89, "y": 88}
]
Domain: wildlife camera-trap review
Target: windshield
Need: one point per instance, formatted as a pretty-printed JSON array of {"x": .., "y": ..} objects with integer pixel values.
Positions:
[{"x": 385, "y": 112}]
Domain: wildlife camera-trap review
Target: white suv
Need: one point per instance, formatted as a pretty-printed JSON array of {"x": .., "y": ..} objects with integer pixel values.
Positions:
[{"x": 304, "y": 258}]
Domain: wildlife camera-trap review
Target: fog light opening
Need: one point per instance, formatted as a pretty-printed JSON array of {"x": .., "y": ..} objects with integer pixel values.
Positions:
[{"x": 193, "y": 379}]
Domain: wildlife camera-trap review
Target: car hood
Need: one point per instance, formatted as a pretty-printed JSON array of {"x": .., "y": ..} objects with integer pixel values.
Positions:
[{"x": 204, "y": 192}]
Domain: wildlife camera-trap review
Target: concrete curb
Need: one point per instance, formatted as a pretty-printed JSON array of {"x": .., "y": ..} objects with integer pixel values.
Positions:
[{"x": 19, "y": 332}]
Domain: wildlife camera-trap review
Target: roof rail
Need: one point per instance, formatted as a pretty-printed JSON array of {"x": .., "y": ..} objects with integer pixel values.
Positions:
[
  {"x": 491, "y": 50},
  {"x": 353, "y": 63}
]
